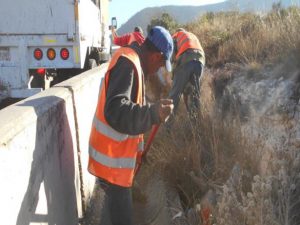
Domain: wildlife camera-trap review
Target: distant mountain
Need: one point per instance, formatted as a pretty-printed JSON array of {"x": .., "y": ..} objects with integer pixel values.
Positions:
[{"x": 184, "y": 14}]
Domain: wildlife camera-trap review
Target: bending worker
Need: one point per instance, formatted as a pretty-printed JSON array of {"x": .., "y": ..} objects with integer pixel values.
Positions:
[
  {"x": 127, "y": 39},
  {"x": 189, "y": 64},
  {"x": 122, "y": 116}
]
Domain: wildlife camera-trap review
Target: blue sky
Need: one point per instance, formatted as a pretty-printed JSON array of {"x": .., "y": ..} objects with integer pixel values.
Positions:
[{"x": 123, "y": 9}]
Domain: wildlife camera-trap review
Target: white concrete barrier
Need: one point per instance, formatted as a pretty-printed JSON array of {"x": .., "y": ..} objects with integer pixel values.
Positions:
[{"x": 43, "y": 146}]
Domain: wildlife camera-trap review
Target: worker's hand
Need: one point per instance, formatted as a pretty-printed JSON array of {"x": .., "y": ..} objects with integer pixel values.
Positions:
[{"x": 165, "y": 109}]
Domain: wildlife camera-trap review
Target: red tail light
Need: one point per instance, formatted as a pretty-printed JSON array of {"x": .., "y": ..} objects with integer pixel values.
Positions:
[
  {"x": 41, "y": 71},
  {"x": 64, "y": 53},
  {"x": 38, "y": 54},
  {"x": 51, "y": 53}
]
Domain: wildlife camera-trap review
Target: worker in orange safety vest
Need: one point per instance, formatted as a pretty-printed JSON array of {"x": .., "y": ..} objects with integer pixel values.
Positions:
[
  {"x": 122, "y": 117},
  {"x": 189, "y": 64}
]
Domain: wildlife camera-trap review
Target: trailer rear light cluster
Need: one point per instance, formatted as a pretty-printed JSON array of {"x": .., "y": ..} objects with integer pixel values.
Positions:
[{"x": 51, "y": 53}]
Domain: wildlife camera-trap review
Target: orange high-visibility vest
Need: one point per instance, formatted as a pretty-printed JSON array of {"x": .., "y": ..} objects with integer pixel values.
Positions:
[
  {"x": 113, "y": 155},
  {"x": 186, "y": 40}
]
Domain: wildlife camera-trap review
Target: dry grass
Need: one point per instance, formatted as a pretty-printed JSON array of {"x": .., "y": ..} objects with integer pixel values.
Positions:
[
  {"x": 196, "y": 157},
  {"x": 214, "y": 154},
  {"x": 255, "y": 184},
  {"x": 249, "y": 38},
  {"x": 272, "y": 199}
]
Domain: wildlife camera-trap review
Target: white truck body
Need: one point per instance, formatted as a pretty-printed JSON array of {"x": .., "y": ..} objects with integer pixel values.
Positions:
[{"x": 80, "y": 26}]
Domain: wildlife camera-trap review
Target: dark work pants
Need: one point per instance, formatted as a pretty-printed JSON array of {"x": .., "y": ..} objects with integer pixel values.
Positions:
[
  {"x": 187, "y": 76},
  {"x": 117, "y": 205}
]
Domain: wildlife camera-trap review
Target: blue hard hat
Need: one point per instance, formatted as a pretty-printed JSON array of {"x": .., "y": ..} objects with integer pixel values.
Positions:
[{"x": 162, "y": 40}]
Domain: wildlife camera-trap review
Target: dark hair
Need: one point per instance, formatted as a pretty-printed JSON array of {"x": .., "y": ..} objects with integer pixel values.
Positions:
[
  {"x": 150, "y": 46},
  {"x": 138, "y": 29}
]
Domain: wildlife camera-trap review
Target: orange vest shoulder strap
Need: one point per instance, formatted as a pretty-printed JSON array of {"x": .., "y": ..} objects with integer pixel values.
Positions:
[{"x": 128, "y": 53}]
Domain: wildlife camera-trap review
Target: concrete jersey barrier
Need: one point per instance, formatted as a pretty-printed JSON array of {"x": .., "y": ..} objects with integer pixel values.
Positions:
[{"x": 44, "y": 153}]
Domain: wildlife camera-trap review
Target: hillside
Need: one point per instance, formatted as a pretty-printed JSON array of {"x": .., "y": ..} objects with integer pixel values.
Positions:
[{"x": 184, "y": 14}]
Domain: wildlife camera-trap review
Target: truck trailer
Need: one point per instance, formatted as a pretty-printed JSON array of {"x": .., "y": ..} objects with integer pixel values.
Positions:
[{"x": 50, "y": 40}]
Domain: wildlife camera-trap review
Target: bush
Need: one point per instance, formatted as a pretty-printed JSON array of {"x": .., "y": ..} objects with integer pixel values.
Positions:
[
  {"x": 234, "y": 37},
  {"x": 165, "y": 21}
]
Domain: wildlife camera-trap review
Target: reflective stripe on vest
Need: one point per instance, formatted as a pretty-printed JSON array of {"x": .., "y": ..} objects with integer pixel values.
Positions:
[
  {"x": 113, "y": 154},
  {"x": 113, "y": 134},
  {"x": 128, "y": 163},
  {"x": 109, "y": 131},
  {"x": 186, "y": 40}
]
